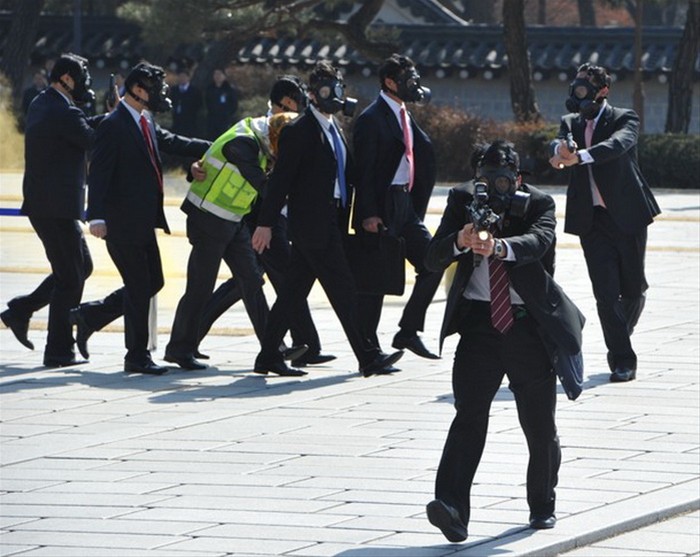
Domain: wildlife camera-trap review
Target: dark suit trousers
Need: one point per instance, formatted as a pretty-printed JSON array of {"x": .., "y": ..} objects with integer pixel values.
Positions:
[
  {"x": 71, "y": 264},
  {"x": 483, "y": 356},
  {"x": 615, "y": 263},
  {"x": 330, "y": 266},
  {"x": 142, "y": 273},
  {"x": 402, "y": 221},
  {"x": 275, "y": 262},
  {"x": 212, "y": 240}
]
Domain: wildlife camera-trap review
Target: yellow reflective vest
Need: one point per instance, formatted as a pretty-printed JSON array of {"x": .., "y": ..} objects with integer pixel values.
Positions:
[{"x": 225, "y": 192}]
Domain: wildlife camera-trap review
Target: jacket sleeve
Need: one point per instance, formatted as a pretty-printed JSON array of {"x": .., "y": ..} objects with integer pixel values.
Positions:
[
  {"x": 283, "y": 175},
  {"x": 365, "y": 142},
  {"x": 174, "y": 144},
  {"x": 535, "y": 242},
  {"x": 244, "y": 153},
  {"x": 103, "y": 165},
  {"x": 76, "y": 128},
  {"x": 623, "y": 138}
]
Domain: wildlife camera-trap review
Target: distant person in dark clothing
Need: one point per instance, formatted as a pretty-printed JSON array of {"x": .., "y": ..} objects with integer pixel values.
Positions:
[
  {"x": 187, "y": 100},
  {"x": 221, "y": 101},
  {"x": 39, "y": 83}
]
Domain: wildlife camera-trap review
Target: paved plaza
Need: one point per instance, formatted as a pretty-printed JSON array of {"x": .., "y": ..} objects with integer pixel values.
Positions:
[{"x": 225, "y": 462}]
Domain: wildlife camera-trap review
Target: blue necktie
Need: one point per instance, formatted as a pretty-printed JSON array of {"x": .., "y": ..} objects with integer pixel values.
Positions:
[{"x": 337, "y": 146}]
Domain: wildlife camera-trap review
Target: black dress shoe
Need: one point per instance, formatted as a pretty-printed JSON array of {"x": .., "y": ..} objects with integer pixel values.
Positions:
[
  {"x": 543, "y": 522},
  {"x": 622, "y": 375},
  {"x": 149, "y": 368},
  {"x": 294, "y": 352},
  {"x": 63, "y": 362},
  {"x": 382, "y": 364},
  {"x": 83, "y": 333},
  {"x": 280, "y": 368},
  {"x": 446, "y": 518},
  {"x": 185, "y": 362},
  {"x": 201, "y": 356},
  {"x": 312, "y": 359},
  {"x": 19, "y": 327},
  {"x": 415, "y": 345}
]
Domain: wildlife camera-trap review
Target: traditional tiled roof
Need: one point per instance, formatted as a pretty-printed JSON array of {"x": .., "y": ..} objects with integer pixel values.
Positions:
[{"x": 449, "y": 47}]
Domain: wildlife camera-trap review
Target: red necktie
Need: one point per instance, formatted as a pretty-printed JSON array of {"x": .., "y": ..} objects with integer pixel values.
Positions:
[
  {"x": 595, "y": 192},
  {"x": 501, "y": 310},
  {"x": 408, "y": 142},
  {"x": 151, "y": 151}
]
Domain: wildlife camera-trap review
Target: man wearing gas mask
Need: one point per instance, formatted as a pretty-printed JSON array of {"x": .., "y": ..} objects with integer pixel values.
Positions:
[
  {"x": 395, "y": 178},
  {"x": 288, "y": 96},
  {"x": 609, "y": 206},
  {"x": 57, "y": 137},
  {"x": 125, "y": 206},
  {"x": 312, "y": 175},
  {"x": 501, "y": 232}
]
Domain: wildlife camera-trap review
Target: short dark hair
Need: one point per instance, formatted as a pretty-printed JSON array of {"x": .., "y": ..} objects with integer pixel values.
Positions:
[
  {"x": 498, "y": 153},
  {"x": 393, "y": 67},
  {"x": 144, "y": 74},
  {"x": 287, "y": 86},
  {"x": 70, "y": 64},
  {"x": 323, "y": 70},
  {"x": 597, "y": 75}
]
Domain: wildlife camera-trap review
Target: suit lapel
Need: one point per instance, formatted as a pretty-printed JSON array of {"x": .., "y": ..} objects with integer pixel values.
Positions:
[{"x": 390, "y": 119}]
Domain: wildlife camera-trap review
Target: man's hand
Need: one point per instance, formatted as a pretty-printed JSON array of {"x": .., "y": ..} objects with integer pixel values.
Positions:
[
  {"x": 98, "y": 229},
  {"x": 481, "y": 243},
  {"x": 261, "y": 238},
  {"x": 198, "y": 172},
  {"x": 372, "y": 224},
  {"x": 563, "y": 156}
]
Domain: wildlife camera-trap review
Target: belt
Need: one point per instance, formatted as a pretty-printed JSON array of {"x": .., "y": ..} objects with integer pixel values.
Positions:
[{"x": 399, "y": 187}]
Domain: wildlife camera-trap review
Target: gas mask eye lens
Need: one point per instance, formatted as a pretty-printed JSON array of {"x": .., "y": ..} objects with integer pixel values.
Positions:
[
  {"x": 502, "y": 184},
  {"x": 580, "y": 92},
  {"x": 324, "y": 92}
]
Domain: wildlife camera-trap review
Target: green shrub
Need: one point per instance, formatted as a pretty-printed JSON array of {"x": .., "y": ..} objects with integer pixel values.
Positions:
[{"x": 670, "y": 160}]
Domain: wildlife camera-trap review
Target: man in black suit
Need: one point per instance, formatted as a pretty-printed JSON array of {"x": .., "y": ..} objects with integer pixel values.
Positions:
[
  {"x": 609, "y": 206},
  {"x": 187, "y": 101},
  {"x": 502, "y": 298},
  {"x": 313, "y": 175},
  {"x": 57, "y": 137},
  {"x": 126, "y": 206},
  {"x": 395, "y": 178}
]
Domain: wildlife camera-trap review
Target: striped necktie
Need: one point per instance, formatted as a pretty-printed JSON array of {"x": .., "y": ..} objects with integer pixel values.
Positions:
[{"x": 501, "y": 309}]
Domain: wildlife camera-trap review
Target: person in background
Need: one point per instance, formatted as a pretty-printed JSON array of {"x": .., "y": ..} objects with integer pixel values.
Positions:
[
  {"x": 187, "y": 102},
  {"x": 609, "y": 206},
  {"x": 39, "y": 83},
  {"x": 221, "y": 102},
  {"x": 502, "y": 295},
  {"x": 395, "y": 178},
  {"x": 58, "y": 135}
]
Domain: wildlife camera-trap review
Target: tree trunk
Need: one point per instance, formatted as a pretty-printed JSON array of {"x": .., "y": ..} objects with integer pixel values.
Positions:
[
  {"x": 680, "y": 86},
  {"x": 586, "y": 13},
  {"x": 522, "y": 93},
  {"x": 19, "y": 43},
  {"x": 638, "y": 95}
]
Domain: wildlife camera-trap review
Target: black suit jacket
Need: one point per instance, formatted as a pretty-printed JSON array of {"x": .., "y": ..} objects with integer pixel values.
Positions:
[
  {"x": 185, "y": 111},
  {"x": 123, "y": 184},
  {"x": 615, "y": 170},
  {"x": 532, "y": 239},
  {"x": 379, "y": 146},
  {"x": 304, "y": 174},
  {"x": 57, "y": 137}
]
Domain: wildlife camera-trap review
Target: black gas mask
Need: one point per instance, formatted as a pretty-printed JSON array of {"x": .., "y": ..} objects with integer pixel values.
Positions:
[
  {"x": 80, "y": 92},
  {"x": 502, "y": 187},
  {"x": 152, "y": 80},
  {"x": 582, "y": 98},
  {"x": 330, "y": 97},
  {"x": 409, "y": 89}
]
